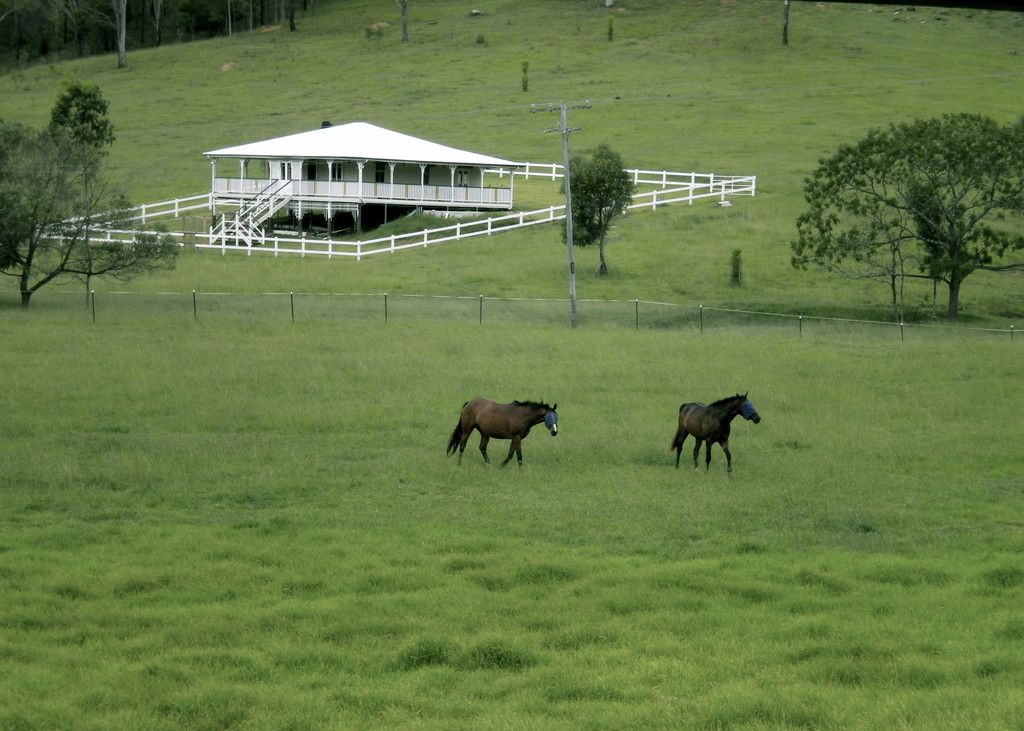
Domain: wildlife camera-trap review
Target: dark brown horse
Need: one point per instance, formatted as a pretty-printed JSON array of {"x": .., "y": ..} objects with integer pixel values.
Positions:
[
  {"x": 710, "y": 424},
  {"x": 501, "y": 421}
]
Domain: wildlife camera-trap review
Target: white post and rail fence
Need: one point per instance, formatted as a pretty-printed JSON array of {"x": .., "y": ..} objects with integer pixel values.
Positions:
[{"x": 671, "y": 188}]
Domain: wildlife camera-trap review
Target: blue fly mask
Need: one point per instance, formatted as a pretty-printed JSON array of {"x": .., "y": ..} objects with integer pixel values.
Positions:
[
  {"x": 551, "y": 422},
  {"x": 748, "y": 412}
]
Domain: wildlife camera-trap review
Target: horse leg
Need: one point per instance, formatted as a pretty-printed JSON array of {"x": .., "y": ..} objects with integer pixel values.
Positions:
[
  {"x": 678, "y": 444},
  {"x": 728, "y": 456},
  {"x": 462, "y": 442},
  {"x": 696, "y": 452},
  {"x": 512, "y": 449},
  {"x": 707, "y": 456},
  {"x": 483, "y": 446}
]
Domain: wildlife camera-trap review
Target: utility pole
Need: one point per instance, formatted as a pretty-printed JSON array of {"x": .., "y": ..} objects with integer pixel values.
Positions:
[{"x": 564, "y": 129}]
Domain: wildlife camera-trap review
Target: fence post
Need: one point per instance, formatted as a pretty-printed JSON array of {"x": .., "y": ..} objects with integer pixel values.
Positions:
[
  {"x": 636, "y": 304},
  {"x": 195, "y": 307},
  {"x": 901, "y": 332},
  {"x": 702, "y": 318},
  {"x": 92, "y": 292},
  {"x": 1011, "y": 333},
  {"x": 481, "y": 309},
  {"x": 800, "y": 322},
  {"x": 291, "y": 297},
  {"x": 385, "y": 307}
]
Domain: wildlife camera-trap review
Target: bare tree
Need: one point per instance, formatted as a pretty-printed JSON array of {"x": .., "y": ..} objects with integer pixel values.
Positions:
[
  {"x": 120, "y": 8},
  {"x": 403, "y": 5},
  {"x": 156, "y": 12}
]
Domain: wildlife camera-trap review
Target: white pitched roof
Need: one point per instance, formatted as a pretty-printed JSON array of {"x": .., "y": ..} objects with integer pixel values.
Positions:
[{"x": 359, "y": 141}]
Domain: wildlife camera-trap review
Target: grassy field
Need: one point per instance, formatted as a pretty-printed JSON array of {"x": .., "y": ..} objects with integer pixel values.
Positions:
[
  {"x": 248, "y": 524},
  {"x": 234, "y": 520}
]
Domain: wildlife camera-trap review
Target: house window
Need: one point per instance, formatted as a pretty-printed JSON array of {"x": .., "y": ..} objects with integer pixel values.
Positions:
[
  {"x": 286, "y": 171},
  {"x": 380, "y": 172},
  {"x": 462, "y": 177},
  {"x": 309, "y": 170},
  {"x": 337, "y": 170}
]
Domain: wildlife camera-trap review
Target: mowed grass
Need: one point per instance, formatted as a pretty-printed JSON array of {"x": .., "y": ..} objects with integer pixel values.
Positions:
[{"x": 250, "y": 523}]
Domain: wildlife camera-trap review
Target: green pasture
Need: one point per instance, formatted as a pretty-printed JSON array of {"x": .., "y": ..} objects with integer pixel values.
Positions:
[
  {"x": 221, "y": 517},
  {"x": 248, "y": 523}
]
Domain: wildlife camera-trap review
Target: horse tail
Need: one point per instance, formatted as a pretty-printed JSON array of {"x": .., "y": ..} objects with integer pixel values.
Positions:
[
  {"x": 680, "y": 437},
  {"x": 456, "y": 439},
  {"x": 453, "y": 443}
]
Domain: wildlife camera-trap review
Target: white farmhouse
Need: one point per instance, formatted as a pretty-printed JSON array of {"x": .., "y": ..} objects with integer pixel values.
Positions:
[{"x": 348, "y": 176}]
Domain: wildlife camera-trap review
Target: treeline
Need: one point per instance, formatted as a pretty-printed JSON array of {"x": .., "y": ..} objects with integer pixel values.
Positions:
[{"x": 49, "y": 30}]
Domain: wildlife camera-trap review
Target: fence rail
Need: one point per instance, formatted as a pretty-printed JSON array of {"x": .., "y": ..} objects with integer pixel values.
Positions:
[
  {"x": 710, "y": 183},
  {"x": 707, "y": 187},
  {"x": 618, "y": 313}
]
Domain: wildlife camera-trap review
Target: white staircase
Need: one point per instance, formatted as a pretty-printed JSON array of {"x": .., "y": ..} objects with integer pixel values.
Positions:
[{"x": 242, "y": 228}]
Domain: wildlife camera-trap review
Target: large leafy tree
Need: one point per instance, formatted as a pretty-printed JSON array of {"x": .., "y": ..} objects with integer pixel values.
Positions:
[
  {"x": 54, "y": 199},
  {"x": 601, "y": 190},
  {"x": 936, "y": 199}
]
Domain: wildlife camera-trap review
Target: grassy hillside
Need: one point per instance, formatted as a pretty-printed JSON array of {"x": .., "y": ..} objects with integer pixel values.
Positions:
[{"x": 703, "y": 86}]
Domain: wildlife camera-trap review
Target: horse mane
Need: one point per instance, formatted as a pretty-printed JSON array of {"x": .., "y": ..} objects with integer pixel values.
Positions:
[
  {"x": 727, "y": 399},
  {"x": 533, "y": 404}
]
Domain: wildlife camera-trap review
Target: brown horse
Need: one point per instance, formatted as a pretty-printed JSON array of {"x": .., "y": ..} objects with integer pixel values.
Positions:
[
  {"x": 501, "y": 421},
  {"x": 711, "y": 424}
]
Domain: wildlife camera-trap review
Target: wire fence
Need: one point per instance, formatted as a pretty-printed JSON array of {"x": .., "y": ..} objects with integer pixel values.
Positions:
[{"x": 386, "y": 307}]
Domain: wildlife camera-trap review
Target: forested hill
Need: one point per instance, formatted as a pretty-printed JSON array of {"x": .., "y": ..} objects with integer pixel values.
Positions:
[{"x": 35, "y": 31}]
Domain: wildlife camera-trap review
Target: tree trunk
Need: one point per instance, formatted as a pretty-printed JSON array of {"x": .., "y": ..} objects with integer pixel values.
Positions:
[
  {"x": 953, "y": 311},
  {"x": 121, "y": 22},
  {"x": 603, "y": 268},
  {"x": 785, "y": 23},
  {"x": 404, "y": 6}
]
